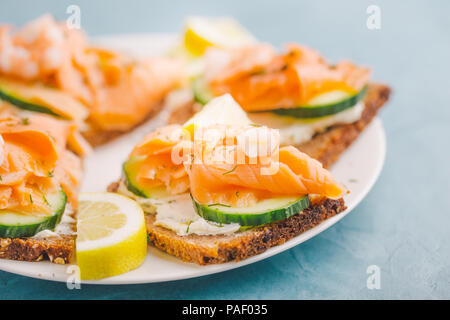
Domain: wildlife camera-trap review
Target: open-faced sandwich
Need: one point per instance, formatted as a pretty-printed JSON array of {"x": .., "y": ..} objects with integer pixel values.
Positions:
[
  {"x": 40, "y": 175},
  {"x": 319, "y": 107},
  {"x": 48, "y": 67},
  {"x": 220, "y": 187}
]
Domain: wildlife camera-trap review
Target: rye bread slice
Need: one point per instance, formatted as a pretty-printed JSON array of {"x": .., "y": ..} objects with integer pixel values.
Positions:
[
  {"x": 214, "y": 249},
  {"x": 56, "y": 249},
  {"x": 205, "y": 250},
  {"x": 326, "y": 146}
]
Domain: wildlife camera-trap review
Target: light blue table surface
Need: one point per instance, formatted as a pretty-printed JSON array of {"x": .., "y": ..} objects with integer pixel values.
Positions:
[{"x": 402, "y": 226}]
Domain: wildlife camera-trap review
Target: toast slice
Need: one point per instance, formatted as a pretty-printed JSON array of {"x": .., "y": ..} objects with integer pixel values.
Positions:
[
  {"x": 329, "y": 145},
  {"x": 205, "y": 250},
  {"x": 214, "y": 249},
  {"x": 56, "y": 249}
]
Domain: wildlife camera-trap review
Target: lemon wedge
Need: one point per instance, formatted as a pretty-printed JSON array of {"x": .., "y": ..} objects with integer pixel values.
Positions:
[
  {"x": 222, "y": 32},
  {"x": 229, "y": 110},
  {"x": 112, "y": 237}
]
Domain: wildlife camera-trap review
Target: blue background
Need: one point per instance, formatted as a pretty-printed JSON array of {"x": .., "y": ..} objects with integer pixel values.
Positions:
[{"x": 403, "y": 224}]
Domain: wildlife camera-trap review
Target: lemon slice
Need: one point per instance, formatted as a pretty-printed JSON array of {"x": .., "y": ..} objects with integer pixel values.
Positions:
[
  {"x": 112, "y": 237},
  {"x": 229, "y": 110},
  {"x": 222, "y": 32}
]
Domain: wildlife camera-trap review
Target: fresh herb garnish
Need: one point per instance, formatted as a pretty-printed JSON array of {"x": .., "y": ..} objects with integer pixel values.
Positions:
[
  {"x": 187, "y": 230},
  {"x": 192, "y": 156},
  {"x": 237, "y": 194},
  {"x": 31, "y": 199},
  {"x": 25, "y": 121},
  {"x": 230, "y": 170},
  {"x": 258, "y": 72},
  {"x": 45, "y": 200},
  {"x": 50, "y": 173}
]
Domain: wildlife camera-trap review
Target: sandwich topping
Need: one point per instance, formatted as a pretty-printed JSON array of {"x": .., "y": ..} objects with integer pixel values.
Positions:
[
  {"x": 118, "y": 90},
  {"x": 297, "y": 92},
  {"x": 229, "y": 175},
  {"x": 39, "y": 175}
]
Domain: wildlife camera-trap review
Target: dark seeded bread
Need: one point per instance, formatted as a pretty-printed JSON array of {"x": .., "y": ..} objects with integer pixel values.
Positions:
[
  {"x": 329, "y": 145},
  {"x": 56, "y": 249},
  {"x": 224, "y": 248}
]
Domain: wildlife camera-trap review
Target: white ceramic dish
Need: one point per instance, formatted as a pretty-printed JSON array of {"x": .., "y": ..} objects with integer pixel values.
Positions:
[{"x": 358, "y": 168}]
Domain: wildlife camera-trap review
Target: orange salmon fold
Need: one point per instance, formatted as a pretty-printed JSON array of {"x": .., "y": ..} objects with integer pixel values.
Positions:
[
  {"x": 236, "y": 184},
  {"x": 118, "y": 91},
  {"x": 297, "y": 174},
  {"x": 157, "y": 169},
  {"x": 261, "y": 79},
  {"x": 35, "y": 160}
]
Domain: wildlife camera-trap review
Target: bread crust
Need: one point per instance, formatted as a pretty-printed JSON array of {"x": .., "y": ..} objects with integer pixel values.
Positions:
[
  {"x": 216, "y": 249},
  {"x": 56, "y": 249},
  {"x": 329, "y": 145}
]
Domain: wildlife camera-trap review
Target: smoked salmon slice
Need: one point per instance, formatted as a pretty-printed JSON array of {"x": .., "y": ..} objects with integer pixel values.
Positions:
[
  {"x": 261, "y": 79},
  {"x": 36, "y": 161},
  {"x": 227, "y": 172},
  {"x": 114, "y": 90},
  {"x": 287, "y": 172},
  {"x": 158, "y": 168}
]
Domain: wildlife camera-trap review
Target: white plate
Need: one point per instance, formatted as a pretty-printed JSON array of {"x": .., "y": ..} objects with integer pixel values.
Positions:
[{"x": 358, "y": 168}]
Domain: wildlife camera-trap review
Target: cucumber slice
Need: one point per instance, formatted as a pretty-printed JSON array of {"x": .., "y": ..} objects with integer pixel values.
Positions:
[
  {"x": 264, "y": 212},
  {"x": 323, "y": 105},
  {"x": 38, "y": 98},
  {"x": 130, "y": 170},
  {"x": 18, "y": 225},
  {"x": 326, "y": 104},
  {"x": 9, "y": 95},
  {"x": 201, "y": 91}
]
